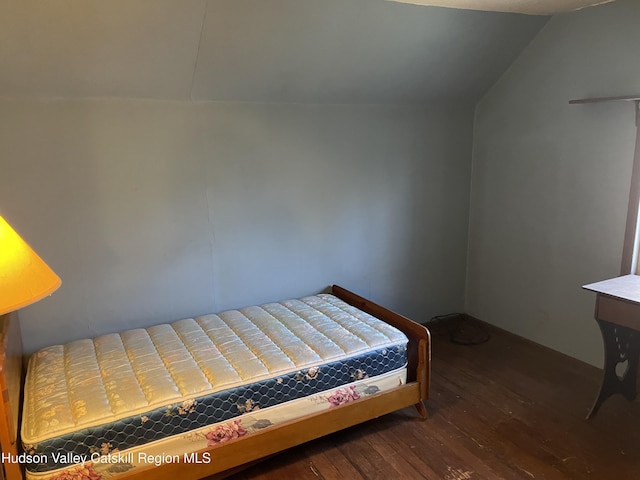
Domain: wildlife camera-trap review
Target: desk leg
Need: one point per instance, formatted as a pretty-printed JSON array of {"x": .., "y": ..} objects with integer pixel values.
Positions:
[{"x": 621, "y": 347}]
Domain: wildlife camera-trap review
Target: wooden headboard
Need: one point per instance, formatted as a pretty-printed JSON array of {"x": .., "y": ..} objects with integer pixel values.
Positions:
[{"x": 11, "y": 387}]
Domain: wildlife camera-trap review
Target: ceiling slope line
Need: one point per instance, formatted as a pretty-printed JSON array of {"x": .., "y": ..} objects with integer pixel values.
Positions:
[{"x": 195, "y": 63}]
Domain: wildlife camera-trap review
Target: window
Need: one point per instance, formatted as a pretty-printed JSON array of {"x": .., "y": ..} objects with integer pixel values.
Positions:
[
  {"x": 631, "y": 247},
  {"x": 632, "y": 232}
]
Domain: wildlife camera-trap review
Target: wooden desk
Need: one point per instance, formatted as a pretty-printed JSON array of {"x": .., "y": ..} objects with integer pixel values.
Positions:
[{"x": 618, "y": 315}]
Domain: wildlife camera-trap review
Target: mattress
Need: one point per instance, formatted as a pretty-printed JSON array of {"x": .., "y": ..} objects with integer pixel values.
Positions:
[{"x": 203, "y": 379}]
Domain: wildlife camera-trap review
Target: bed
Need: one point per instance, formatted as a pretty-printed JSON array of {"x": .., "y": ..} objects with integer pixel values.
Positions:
[{"x": 191, "y": 426}]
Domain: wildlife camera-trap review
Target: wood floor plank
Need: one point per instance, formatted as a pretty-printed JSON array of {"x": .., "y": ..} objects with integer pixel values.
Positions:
[
  {"x": 506, "y": 409},
  {"x": 330, "y": 464}
]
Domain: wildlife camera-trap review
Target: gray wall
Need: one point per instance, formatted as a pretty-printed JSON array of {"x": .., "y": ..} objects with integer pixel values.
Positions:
[
  {"x": 551, "y": 180},
  {"x": 152, "y": 211}
]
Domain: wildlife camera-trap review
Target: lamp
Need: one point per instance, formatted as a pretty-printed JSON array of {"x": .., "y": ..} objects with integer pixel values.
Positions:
[{"x": 24, "y": 277}]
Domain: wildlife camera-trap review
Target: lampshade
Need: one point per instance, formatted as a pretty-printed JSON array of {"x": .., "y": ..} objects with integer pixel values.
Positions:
[{"x": 24, "y": 277}]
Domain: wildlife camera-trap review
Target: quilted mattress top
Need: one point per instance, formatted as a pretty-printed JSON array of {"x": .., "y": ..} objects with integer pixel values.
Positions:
[{"x": 91, "y": 382}]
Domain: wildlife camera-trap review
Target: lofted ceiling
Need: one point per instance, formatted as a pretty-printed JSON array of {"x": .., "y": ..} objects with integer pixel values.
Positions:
[{"x": 302, "y": 51}]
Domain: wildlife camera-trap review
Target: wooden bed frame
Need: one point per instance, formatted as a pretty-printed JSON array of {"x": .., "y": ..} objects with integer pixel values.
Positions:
[{"x": 235, "y": 453}]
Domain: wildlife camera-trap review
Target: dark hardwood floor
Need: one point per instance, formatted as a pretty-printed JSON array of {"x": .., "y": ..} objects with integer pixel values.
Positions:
[{"x": 505, "y": 409}]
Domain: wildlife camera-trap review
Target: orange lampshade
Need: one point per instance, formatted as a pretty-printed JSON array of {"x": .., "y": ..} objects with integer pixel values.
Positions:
[{"x": 24, "y": 277}]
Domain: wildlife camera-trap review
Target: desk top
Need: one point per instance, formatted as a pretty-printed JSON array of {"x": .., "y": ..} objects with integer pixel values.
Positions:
[{"x": 626, "y": 287}]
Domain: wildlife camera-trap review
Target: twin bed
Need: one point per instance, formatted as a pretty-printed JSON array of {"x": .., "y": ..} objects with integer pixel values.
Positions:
[{"x": 204, "y": 396}]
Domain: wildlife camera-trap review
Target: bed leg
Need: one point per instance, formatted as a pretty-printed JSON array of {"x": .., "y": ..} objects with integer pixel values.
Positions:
[{"x": 422, "y": 410}]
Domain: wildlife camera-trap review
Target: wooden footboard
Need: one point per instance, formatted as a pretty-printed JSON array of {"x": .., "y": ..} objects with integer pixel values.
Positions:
[
  {"x": 261, "y": 444},
  {"x": 419, "y": 348}
]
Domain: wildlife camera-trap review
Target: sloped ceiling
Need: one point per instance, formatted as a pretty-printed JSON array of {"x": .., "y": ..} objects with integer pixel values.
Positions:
[{"x": 304, "y": 51}]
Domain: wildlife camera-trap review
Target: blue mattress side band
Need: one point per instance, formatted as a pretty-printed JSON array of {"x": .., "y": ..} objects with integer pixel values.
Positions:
[{"x": 217, "y": 407}]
